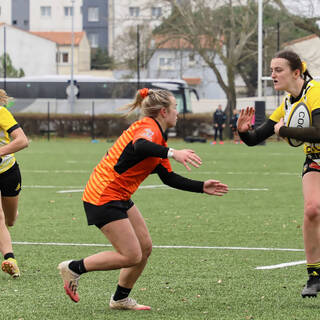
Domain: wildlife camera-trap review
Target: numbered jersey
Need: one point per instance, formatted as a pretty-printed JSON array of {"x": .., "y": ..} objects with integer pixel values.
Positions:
[
  {"x": 7, "y": 125},
  {"x": 310, "y": 98}
]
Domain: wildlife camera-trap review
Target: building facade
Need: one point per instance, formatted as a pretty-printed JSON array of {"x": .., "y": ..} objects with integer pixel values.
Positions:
[
  {"x": 63, "y": 41},
  {"x": 104, "y": 21},
  {"x": 176, "y": 59},
  {"x": 308, "y": 48},
  {"x": 35, "y": 55},
  {"x": 128, "y": 14},
  {"x": 51, "y": 15},
  {"x": 90, "y": 16},
  {"x": 46, "y": 15},
  {"x": 95, "y": 22},
  {"x": 51, "y": 21},
  {"x": 20, "y": 16}
]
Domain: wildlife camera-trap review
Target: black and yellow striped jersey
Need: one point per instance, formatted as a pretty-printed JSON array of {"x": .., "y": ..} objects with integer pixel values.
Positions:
[
  {"x": 7, "y": 125},
  {"x": 310, "y": 97}
]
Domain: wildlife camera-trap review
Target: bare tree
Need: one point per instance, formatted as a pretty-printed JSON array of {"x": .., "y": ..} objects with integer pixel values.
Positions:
[
  {"x": 126, "y": 44},
  {"x": 218, "y": 31},
  {"x": 305, "y": 17}
]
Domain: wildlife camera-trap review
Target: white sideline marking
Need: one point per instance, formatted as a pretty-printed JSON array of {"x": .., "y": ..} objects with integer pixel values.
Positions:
[
  {"x": 49, "y": 187},
  {"x": 57, "y": 171},
  {"x": 181, "y": 172},
  {"x": 167, "y": 187},
  {"x": 159, "y": 186},
  {"x": 281, "y": 265},
  {"x": 70, "y": 191},
  {"x": 155, "y": 246},
  {"x": 245, "y": 173},
  {"x": 249, "y": 189}
]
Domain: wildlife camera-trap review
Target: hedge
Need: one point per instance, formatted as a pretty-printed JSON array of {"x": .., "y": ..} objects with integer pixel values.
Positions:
[{"x": 64, "y": 125}]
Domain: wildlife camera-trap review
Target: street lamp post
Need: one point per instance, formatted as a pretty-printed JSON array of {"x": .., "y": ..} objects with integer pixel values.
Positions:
[
  {"x": 260, "y": 23},
  {"x": 4, "y": 57},
  {"x": 138, "y": 57},
  {"x": 72, "y": 100}
]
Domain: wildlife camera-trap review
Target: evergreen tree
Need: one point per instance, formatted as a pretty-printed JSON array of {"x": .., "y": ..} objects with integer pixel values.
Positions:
[{"x": 11, "y": 71}]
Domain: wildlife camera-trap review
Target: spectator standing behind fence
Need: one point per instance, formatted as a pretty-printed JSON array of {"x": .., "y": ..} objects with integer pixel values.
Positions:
[
  {"x": 12, "y": 139},
  {"x": 233, "y": 126},
  {"x": 219, "y": 122}
]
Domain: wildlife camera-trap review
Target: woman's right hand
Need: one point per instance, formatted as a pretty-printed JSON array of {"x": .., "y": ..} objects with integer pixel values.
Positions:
[
  {"x": 187, "y": 156},
  {"x": 245, "y": 119}
]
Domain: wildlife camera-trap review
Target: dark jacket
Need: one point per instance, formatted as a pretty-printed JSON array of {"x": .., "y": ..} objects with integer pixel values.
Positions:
[{"x": 219, "y": 117}]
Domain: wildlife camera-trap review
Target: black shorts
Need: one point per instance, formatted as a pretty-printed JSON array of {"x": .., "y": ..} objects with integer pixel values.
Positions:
[
  {"x": 309, "y": 166},
  {"x": 10, "y": 182},
  {"x": 106, "y": 213}
]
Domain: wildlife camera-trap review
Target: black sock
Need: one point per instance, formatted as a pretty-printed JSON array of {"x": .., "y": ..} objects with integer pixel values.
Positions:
[
  {"x": 8, "y": 255},
  {"x": 313, "y": 269},
  {"x": 77, "y": 266},
  {"x": 121, "y": 293}
]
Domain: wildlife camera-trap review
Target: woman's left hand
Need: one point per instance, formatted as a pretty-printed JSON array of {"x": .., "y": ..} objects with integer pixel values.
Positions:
[
  {"x": 215, "y": 188},
  {"x": 277, "y": 126}
]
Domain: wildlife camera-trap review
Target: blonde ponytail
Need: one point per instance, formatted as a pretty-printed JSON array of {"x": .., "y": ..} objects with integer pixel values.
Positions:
[
  {"x": 150, "y": 101},
  {"x": 4, "y": 98}
]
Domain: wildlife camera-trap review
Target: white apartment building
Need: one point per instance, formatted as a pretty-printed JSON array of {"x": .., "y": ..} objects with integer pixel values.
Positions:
[
  {"x": 53, "y": 15},
  {"x": 44, "y": 15},
  {"x": 5, "y": 11},
  {"x": 126, "y": 14}
]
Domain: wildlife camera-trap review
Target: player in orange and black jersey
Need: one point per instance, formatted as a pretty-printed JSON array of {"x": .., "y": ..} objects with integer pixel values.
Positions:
[
  {"x": 12, "y": 139},
  {"x": 141, "y": 150},
  {"x": 290, "y": 74}
]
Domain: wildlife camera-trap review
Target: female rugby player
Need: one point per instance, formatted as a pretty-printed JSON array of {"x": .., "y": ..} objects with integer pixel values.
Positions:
[
  {"x": 12, "y": 139},
  {"x": 138, "y": 152},
  {"x": 290, "y": 74}
]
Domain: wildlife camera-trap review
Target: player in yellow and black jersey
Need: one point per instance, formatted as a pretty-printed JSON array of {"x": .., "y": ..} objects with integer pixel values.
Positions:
[
  {"x": 290, "y": 74},
  {"x": 12, "y": 139}
]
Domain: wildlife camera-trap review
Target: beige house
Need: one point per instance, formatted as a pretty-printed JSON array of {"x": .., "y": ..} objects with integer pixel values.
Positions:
[
  {"x": 81, "y": 51},
  {"x": 308, "y": 48}
]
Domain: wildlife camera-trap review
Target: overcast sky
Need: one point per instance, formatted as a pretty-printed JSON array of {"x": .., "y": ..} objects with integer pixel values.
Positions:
[{"x": 309, "y": 8}]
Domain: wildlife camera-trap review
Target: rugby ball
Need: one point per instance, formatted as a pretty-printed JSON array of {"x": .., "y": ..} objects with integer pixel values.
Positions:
[{"x": 299, "y": 117}]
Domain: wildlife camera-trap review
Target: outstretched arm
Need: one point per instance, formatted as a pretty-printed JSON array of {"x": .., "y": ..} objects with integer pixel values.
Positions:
[
  {"x": 211, "y": 187},
  {"x": 256, "y": 136},
  {"x": 150, "y": 149}
]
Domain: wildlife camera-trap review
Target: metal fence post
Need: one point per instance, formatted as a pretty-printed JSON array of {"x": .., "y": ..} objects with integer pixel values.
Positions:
[{"x": 48, "y": 121}]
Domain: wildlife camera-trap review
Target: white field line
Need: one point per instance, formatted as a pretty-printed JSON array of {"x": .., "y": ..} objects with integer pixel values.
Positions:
[
  {"x": 282, "y": 265},
  {"x": 167, "y": 187},
  {"x": 57, "y": 171},
  {"x": 245, "y": 173},
  {"x": 49, "y": 187},
  {"x": 160, "y": 186},
  {"x": 249, "y": 189},
  {"x": 192, "y": 172},
  {"x": 155, "y": 246},
  {"x": 71, "y": 191}
]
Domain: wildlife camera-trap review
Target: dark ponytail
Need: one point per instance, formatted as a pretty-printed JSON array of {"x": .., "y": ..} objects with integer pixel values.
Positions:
[{"x": 295, "y": 63}]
